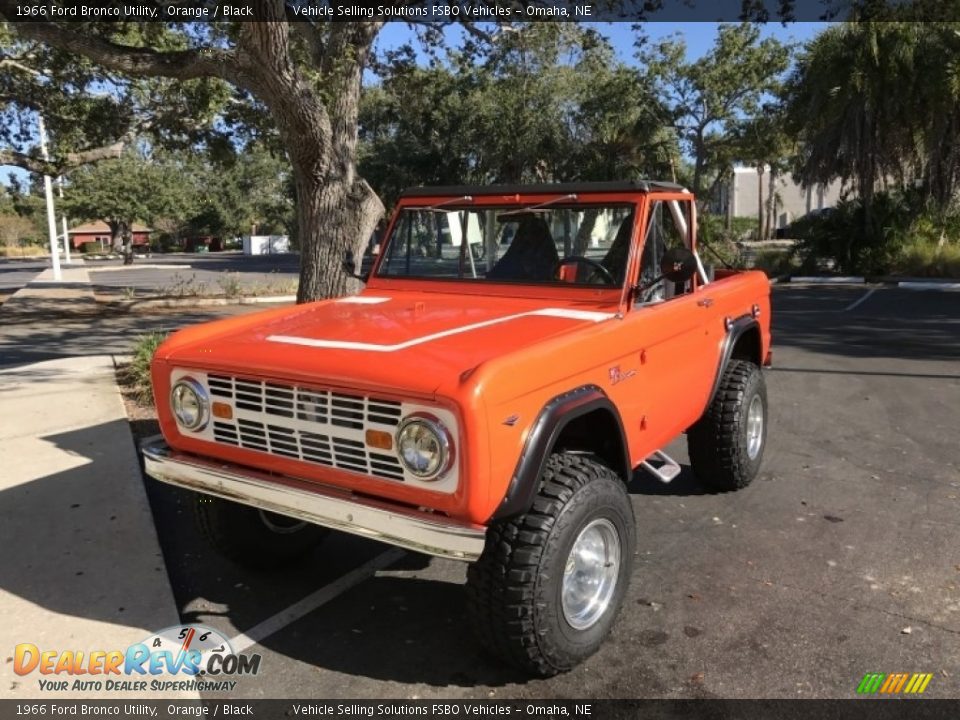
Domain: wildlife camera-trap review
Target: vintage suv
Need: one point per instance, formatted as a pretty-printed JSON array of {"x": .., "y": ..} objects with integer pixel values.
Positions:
[{"x": 517, "y": 353}]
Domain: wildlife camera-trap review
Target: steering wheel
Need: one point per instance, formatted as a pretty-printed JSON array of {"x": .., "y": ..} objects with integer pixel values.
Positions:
[{"x": 599, "y": 268}]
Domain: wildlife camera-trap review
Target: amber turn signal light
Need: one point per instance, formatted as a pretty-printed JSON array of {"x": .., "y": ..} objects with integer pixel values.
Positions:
[
  {"x": 379, "y": 439},
  {"x": 222, "y": 411}
]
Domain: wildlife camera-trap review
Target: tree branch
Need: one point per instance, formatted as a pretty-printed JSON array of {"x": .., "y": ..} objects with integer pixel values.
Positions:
[
  {"x": 57, "y": 166},
  {"x": 16, "y": 65},
  {"x": 141, "y": 62}
]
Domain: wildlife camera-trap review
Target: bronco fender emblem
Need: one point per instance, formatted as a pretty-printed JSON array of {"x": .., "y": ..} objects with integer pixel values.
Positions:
[{"x": 617, "y": 376}]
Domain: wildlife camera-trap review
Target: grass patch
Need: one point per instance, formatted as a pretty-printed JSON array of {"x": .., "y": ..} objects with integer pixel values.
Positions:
[
  {"x": 776, "y": 262},
  {"x": 12, "y": 251},
  {"x": 928, "y": 258},
  {"x": 136, "y": 375}
]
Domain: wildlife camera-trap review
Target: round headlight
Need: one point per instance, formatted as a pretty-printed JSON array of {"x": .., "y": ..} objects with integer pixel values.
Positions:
[
  {"x": 190, "y": 404},
  {"x": 424, "y": 446}
]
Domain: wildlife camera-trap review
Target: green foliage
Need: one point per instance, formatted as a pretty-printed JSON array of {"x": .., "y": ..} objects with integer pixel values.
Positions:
[
  {"x": 898, "y": 234},
  {"x": 710, "y": 98},
  {"x": 923, "y": 258},
  {"x": 242, "y": 191},
  {"x": 776, "y": 262},
  {"x": 879, "y": 102},
  {"x": 69, "y": 91},
  {"x": 722, "y": 243},
  {"x": 138, "y": 373},
  {"x": 130, "y": 188},
  {"x": 549, "y": 103},
  {"x": 16, "y": 230}
]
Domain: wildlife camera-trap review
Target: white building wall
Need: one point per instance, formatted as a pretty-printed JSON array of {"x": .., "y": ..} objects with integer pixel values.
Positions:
[{"x": 792, "y": 200}]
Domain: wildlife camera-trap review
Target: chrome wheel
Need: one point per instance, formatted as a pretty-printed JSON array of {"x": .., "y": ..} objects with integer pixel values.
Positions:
[
  {"x": 590, "y": 575},
  {"x": 755, "y": 427},
  {"x": 280, "y": 524}
]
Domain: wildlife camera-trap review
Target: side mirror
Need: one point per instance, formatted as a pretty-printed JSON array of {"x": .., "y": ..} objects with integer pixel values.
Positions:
[{"x": 678, "y": 265}]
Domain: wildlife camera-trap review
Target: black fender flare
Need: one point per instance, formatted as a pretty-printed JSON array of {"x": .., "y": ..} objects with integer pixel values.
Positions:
[
  {"x": 551, "y": 421},
  {"x": 735, "y": 330}
]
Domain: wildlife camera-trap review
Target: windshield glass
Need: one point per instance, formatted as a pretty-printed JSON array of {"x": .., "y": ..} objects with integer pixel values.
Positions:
[{"x": 580, "y": 244}]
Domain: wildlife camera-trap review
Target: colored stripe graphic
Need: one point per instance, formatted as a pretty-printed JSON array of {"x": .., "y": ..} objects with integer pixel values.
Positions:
[
  {"x": 870, "y": 683},
  {"x": 894, "y": 683}
]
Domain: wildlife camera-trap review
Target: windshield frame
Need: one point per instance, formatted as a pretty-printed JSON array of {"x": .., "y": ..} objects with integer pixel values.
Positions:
[{"x": 635, "y": 201}]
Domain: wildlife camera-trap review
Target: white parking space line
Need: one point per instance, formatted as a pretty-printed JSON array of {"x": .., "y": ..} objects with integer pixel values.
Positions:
[
  {"x": 314, "y": 600},
  {"x": 859, "y": 300}
]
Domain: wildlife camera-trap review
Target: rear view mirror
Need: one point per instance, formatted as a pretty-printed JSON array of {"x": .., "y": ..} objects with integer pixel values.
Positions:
[{"x": 678, "y": 265}]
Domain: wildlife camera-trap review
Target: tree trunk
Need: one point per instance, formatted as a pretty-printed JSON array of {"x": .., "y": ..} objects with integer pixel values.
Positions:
[
  {"x": 759, "y": 202},
  {"x": 334, "y": 219},
  {"x": 127, "y": 244},
  {"x": 770, "y": 224},
  {"x": 116, "y": 236},
  {"x": 337, "y": 211}
]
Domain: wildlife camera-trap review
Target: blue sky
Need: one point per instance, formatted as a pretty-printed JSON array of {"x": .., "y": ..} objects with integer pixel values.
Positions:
[{"x": 699, "y": 36}]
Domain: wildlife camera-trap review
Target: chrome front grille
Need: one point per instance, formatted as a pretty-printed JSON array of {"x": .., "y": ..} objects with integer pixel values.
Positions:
[{"x": 315, "y": 426}]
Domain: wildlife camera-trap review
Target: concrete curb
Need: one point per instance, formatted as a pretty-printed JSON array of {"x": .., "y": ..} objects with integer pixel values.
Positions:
[
  {"x": 198, "y": 302},
  {"x": 931, "y": 285},
  {"x": 115, "y": 268},
  {"x": 828, "y": 279},
  {"x": 901, "y": 282}
]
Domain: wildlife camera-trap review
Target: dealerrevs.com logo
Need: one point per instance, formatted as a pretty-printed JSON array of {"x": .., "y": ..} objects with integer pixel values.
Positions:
[{"x": 179, "y": 658}]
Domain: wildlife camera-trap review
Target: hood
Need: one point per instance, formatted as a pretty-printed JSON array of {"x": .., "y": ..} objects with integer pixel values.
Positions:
[{"x": 408, "y": 342}]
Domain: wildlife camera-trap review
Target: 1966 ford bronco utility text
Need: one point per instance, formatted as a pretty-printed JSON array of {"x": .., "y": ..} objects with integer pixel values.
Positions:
[{"x": 516, "y": 354}]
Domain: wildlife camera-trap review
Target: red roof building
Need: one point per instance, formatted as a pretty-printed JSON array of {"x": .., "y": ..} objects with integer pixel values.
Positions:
[{"x": 99, "y": 232}]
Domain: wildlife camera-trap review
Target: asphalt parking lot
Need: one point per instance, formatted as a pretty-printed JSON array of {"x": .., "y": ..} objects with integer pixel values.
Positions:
[{"x": 841, "y": 559}]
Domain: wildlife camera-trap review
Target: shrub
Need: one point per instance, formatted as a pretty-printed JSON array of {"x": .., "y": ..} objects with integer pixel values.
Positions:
[
  {"x": 898, "y": 232},
  {"x": 926, "y": 258},
  {"x": 718, "y": 242},
  {"x": 776, "y": 262},
  {"x": 139, "y": 370}
]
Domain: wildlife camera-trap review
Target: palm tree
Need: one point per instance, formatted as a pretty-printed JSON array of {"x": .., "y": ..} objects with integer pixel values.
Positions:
[{"x": 878, "y": 102}]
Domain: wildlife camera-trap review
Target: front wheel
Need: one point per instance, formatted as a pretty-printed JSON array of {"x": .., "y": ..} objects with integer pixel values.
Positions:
[
  {"x": 726, "y": 444},
  {"x": 255, "y": 538},
  {"x": 549, "y": 584}
]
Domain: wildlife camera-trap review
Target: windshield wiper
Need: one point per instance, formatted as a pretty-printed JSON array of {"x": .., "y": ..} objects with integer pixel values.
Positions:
[
  {"x": 520, "y": 211},
  {"x": 434, "y": 208}
]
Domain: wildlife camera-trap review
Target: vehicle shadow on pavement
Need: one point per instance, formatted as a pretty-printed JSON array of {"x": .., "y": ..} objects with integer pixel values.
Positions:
[
  {"x": 403, "y": 625},
  {"x": 397, "y": 629},
  {"x": 683, "y": 485}
]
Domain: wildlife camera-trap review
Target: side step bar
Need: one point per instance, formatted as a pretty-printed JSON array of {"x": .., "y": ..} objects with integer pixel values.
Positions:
[{"x": 666, "y": 469}]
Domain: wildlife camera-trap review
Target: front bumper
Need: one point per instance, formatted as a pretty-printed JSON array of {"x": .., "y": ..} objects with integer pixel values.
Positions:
[{"x": 330, "y": 507}]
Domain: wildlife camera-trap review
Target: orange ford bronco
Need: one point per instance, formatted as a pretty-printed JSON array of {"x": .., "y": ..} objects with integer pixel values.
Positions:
[{"x": 517, "y": 353}]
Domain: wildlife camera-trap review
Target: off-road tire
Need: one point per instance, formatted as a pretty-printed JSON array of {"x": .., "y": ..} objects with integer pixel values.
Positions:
[
  {"x": 241, "y": 534},
  {"x": 514, "y": 588},
  {"x": 718, "y": 442}
]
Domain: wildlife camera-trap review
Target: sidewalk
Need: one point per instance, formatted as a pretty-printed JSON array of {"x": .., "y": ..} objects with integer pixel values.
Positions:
[{"x": 80, "y": 565}]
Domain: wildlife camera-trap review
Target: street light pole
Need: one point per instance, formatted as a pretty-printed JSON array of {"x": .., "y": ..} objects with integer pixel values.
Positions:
[
  {"x": 51, "y": 220},
  {"x": 63, "y": 220}
]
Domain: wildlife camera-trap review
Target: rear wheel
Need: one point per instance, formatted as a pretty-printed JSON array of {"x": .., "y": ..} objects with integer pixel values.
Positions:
[
  {"x": 549, "y": 584},
  {"x": 252, "y": 537},
  {"x": 726, "y": 445}
]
